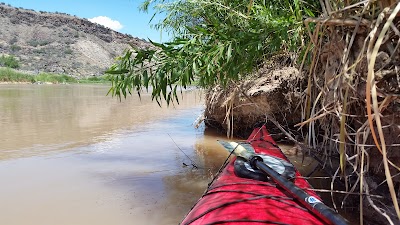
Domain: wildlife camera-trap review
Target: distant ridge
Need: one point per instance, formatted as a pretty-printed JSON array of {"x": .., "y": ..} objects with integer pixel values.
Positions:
[{"x": 60, "y": 43}]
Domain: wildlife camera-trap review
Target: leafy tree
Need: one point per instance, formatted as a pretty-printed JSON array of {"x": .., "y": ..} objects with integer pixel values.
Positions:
[{"x": 215, "y": 41}]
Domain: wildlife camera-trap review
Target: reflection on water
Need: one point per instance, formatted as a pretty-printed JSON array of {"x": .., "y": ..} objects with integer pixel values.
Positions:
[
  {"x": 111, "y": 162},
  {"x": 42, "y": 118},
  {"x": 71, "y": 155}
]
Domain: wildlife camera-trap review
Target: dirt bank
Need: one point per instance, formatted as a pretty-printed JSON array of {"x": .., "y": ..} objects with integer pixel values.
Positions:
[{"x": 237, "y": 108}]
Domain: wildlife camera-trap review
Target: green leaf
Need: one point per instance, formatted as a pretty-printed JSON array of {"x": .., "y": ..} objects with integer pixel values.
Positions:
[
  {"x": 122, "y": 71},
  {"x": 146, "y": 79},
  {"x": 175, "y": 94},
  {"x": 164, "y": 87}
]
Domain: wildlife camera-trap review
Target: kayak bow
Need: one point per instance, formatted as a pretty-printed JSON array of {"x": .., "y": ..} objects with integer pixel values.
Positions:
[{"x": 260, "y": 186}]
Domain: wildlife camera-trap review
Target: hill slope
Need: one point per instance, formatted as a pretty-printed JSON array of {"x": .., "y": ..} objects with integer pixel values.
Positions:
[{"x": 60, "y": 43}]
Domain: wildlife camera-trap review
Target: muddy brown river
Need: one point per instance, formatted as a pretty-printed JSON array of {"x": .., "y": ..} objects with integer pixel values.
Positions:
[{"x": 71, "y": 155}]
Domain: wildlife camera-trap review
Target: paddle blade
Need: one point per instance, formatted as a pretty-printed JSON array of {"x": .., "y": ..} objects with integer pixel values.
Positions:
[{"x": 243, "y": 150}]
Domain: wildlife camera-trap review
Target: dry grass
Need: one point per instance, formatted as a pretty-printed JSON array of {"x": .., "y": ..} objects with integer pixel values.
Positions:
[
  {"x": 354, "y": 91},
  {"x": 351, "y": 107}
]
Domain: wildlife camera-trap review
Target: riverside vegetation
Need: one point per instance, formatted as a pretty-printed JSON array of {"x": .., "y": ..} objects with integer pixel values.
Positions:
[
  {"x": 346, "y": 100},
  {"x": 8, "y": 75}
]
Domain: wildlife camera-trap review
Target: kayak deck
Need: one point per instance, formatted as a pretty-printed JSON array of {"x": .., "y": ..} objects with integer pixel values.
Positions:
[{"x": 231, "y": 199}]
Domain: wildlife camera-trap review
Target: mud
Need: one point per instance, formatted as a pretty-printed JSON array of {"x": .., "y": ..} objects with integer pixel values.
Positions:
[{"x": 238, "y": 108}]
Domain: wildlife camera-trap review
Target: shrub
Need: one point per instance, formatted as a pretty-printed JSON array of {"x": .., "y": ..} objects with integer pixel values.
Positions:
[
  {"x": 10, "y": 75},
  {"x": 15, "y": 48},
  {"x": 35, "y": 43},
  {"x": 55, "y": 78},
  {"x": 9, "y": 61},
  {"x": 68, "y": 51},
  {"x": 95, "y": 79},
  {"x": 69, "y": 41},
  {"x": 39, "y": 51}
]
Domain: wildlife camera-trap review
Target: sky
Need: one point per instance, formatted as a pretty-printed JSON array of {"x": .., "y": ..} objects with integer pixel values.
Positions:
[{"x": 120, "y": 15}]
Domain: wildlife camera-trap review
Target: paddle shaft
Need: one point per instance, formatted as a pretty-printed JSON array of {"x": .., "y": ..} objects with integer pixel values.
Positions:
[
  {"x": 324, "y": 212},
  {"x": 310, "y": 202}
]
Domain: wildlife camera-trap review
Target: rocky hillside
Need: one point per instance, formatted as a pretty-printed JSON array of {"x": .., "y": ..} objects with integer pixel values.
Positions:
[{"x": 60, "y": 43}]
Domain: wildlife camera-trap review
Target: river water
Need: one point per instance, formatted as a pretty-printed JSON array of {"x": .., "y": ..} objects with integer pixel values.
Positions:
[{"x": 69, "y": 154}]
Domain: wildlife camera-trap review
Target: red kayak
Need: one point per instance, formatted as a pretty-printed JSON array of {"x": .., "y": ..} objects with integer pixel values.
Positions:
[{"x": 241, "y": 194}]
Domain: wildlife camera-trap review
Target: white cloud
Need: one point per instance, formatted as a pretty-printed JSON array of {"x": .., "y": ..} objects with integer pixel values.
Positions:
[{"x": 107, "y": 22}]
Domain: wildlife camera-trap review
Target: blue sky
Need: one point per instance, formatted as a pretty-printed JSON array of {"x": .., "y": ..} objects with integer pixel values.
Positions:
[{"x": 121, "y": 15}]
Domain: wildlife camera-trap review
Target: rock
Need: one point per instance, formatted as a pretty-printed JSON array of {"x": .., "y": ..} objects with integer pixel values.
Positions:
[{"x": 60, "y": 43}]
